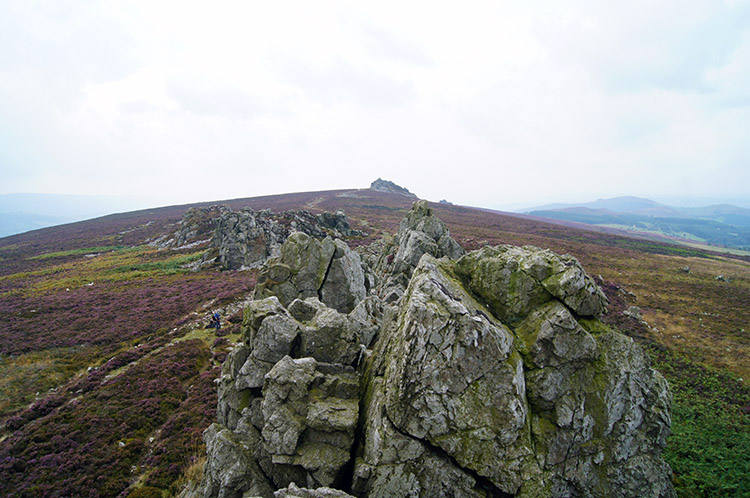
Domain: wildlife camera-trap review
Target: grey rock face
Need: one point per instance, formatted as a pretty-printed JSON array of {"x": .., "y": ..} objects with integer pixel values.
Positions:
[
  {"x": 306, "y": 267},
  {"x": 246, "y": 239},
  {"x": 514, "y": 280},
  {"x": 421, "y": 232},
  {"x": 310, "y": 411},
  {"x": 489, "y": 376},
  {"x": 454, "y": 380},
  {"x": 231, "y": 470},
  {"x": 197, "y": 224},
  {"x": 294, "y": 492},
  {"x": 337, "y": 223}
]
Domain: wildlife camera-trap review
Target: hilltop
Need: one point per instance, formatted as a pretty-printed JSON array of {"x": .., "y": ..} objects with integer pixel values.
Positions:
[{"x": 103, "y": 344}]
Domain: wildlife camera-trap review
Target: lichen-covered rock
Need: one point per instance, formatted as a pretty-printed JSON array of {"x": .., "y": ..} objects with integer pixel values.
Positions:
[
  {"x": 197, "y": 225},
  {"x": 487, "y": 376},
  {"x": 246, "y": 239},
  {"x": 515, "y": 280},
  {"x": 337, "y": 222},
  {"x": 325, "y": 269},
  {"x": 344, "y": 284},
  {"x": 310, "y": 413},
  {"x": 454, "y": 379},
  {"x": 231, "y": 469},
  {"x": 419, "y": 233},
  {"x": 391, "y": 463}
]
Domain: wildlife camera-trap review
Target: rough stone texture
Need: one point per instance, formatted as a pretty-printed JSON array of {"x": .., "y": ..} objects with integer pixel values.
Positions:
[
  {"x": 245, "y": 238},
  {"x": 419, "y": 233},
  {"x": 490, "y": 376},
  {"x": 197, "y": 225},
  {"x": 391, "y": 463},
  {"x": 310, "y": 411},
  {"x": 306, "y": 267},
  {"x": 231, "y": 471},
  {"x": 514, "y": 280},
  {"x": 344, "y": 284},
  {"x": 337, "y": 223},
  {"x": 454, "y": 379},
  {"x": 294, "y": 492}
]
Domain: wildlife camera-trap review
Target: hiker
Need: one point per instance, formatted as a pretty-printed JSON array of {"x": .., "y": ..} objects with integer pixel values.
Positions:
[{"x": 214, "y": 322}]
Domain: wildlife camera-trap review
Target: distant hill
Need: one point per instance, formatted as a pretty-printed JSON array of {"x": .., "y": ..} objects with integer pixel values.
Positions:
[
  {"x": 23, "y": 212},
  {"x": 723, "y": 224}
]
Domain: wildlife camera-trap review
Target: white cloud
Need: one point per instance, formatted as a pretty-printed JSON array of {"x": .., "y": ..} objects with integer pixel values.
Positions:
[{"x": 481, "y": 103}]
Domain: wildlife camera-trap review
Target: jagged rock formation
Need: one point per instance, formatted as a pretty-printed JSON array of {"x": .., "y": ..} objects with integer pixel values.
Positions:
[
  {"x": 197, "y": 225},
  {"x": 245, "y": 238},
  {"x": 490, "y": 375},
  {"x": 306, "y": 267},
  {"x": 389, "y": 187},
  {"x": 419, "y": 233}
]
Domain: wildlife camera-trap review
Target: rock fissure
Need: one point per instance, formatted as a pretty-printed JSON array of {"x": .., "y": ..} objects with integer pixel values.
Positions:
[
  {"x": 448, "y": 374},
  {"x": 481, "y": 481},
  {"x": 325, "y": 276}
]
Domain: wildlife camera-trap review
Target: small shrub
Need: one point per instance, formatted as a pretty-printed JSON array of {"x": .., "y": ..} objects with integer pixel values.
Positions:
[{"x": 145, "y": 492}]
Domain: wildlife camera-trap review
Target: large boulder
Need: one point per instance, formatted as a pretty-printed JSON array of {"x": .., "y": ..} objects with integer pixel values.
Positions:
[
  {"x": 294, "y": 492},
  {"x": 515, "y": 280},
  {"x": 232, "y": 470},
  {"x": 307, "y": 267},
  {"x": 453, "y": 380},
  {"x": 310, "y": 413},
  {"x": 245, "y": 239}
]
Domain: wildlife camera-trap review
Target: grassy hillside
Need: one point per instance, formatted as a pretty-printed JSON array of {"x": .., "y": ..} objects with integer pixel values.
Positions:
[{"x": 106, "y": 371}]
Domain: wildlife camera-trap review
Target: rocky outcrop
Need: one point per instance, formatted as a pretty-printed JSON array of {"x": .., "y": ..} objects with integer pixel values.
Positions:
[
  {"x": 515, "y": 280},
  {"x": 246, "y": 239},
  {"x": 419, "y": 233},
  {"x": 288, "y": 399},
  {"x": 306, "y": 267},
  {"x": 197, "y": 225},
  {"x": 389, "y": 187},
  {"x": 491, "y": 375}
]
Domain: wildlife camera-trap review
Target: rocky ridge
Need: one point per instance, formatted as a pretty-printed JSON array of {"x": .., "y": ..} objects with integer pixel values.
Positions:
[
  {"x": 245, "y": 238},
  {"x": 430, "y": 372}
]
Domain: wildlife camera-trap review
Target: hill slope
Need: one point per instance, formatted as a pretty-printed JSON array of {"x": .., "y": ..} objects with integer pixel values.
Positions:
[
  {"x": 102, "y": 343},
  {"x": 720, "y": 225}
]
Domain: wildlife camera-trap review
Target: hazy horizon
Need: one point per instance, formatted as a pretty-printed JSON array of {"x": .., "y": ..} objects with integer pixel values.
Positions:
[{"x": 498, "y": 106}]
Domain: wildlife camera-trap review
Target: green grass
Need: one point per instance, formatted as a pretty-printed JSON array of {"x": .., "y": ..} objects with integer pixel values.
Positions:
[
  {"x": 169, "y": 266},
  {"x": 78, "y": 252},
  {"x": 709, "y": 449}
]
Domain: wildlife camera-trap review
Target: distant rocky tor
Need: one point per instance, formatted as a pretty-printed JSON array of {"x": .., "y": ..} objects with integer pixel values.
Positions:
[
  {"x": 428, "y": 372},
  {"x": 381, "y": 185}
]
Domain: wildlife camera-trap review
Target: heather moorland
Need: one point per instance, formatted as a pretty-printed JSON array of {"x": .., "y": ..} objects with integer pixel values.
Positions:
[{"x": 107, "y": 372}]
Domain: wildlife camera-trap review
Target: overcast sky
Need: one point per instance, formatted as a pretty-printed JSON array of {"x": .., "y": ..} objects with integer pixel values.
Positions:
[{"x": 496, "y": 104}]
